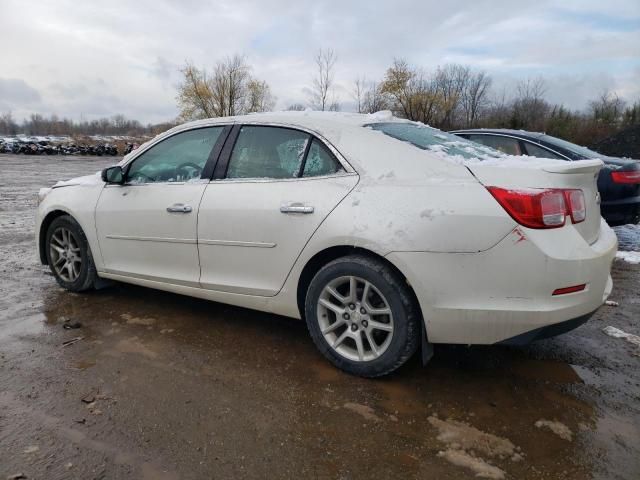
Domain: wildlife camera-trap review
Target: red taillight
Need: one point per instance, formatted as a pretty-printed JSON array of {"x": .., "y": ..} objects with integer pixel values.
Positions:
[
  {"x": 542, "y": 208},
  {"x": 632, "y": 176},
  {"x": 576, "y": 205},
  {"x": 573, "y": 289}
]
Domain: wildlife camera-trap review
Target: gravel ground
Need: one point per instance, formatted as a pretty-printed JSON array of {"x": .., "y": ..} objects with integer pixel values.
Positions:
[{"x": 160, "y": 386}]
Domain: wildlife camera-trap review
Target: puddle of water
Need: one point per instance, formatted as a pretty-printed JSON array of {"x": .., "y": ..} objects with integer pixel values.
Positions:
[{"x": 82, "y": 364}]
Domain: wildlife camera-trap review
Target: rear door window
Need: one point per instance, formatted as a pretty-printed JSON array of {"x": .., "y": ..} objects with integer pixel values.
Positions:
[
  {"x": 267, "y": 152},
  {"x": 535, "y": 151},
  {"x": 320, "y": 161},
  {"x": 508, "y": 145}
]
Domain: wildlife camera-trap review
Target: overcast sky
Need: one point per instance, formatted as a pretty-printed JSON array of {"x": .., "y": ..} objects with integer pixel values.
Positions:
[{"x": 92, "y": 59}]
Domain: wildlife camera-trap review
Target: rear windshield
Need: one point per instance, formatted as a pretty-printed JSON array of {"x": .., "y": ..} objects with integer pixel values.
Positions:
[
  {"x": 583, "y": 152},
  {"x": 428, "y": 138}
]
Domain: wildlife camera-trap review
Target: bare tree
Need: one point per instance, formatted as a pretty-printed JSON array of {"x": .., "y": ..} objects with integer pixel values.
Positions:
[
  {"x": 7, "y": 125},
  {"x": 296, "y": 107},
  {"x": 530, "y": 109},
  {"x": 229, "y": 90},
  {"x": 608, "y": 108},
  {"x": 195, "y": 95},
  {"x": 359, "y": 92},
  {"x": 475, "y": 97},
  {"x": 449, "y": 83},
  {"x": 322, "y": 95},
  {"x": 229, "y": 86},
  {"x": 374, "y": 99},
  {"x": 412, "y": 93},
  {"x": 260, "y": 98}
]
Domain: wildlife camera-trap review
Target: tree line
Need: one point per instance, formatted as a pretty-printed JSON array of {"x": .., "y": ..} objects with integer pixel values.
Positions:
[
  {"x": 448, "y": 97},
  {"x": 38, "y": 124}
]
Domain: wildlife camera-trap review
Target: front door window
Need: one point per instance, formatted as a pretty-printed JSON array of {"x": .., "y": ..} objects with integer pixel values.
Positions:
[{"x": 179, "y": 158}]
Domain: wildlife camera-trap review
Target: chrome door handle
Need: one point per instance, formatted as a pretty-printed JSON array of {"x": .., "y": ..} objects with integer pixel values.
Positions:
[
  {"x": 296, "y": 208},
  {"x": 179, "y": 208}
]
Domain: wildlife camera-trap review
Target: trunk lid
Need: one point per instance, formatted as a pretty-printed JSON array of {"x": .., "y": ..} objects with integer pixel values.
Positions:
[{"x": 534, "y": 173}]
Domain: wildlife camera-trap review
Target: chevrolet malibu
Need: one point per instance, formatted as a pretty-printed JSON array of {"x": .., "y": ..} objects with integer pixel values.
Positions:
[{"x": 386, "y": 236}]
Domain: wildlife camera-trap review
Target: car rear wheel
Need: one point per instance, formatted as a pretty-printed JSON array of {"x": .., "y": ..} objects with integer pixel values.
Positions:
[
  {"x": 69, "y": 255},
  {"x": 361, "y": 316}
]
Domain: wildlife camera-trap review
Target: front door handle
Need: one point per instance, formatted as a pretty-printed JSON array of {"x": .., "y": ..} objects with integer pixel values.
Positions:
[
  {"x": 179, "y": 208},
  {"x": 296, "y": 208}
]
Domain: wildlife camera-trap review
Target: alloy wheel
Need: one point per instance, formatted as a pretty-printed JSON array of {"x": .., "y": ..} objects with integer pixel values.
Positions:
[
  {"x": 355, "y": 318},
  {"x": 65, "y": 253}
]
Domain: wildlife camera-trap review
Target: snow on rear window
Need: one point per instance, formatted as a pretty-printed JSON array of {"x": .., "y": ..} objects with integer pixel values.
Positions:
[{"x": 432, "y": 139}]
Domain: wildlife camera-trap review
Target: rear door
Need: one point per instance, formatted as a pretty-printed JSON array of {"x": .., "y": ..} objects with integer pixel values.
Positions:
[
  {"x": 147, "y": 227},
  {"x": 275, "y": 186}
]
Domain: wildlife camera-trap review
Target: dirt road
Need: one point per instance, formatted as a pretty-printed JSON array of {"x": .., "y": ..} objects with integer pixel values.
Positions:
[{"x": 159, "y": 386}]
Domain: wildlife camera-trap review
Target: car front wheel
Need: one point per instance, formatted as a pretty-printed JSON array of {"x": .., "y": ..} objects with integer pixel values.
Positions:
[
  {"x": 361, "y": 316},
  {"x": 69, "y": 255}
]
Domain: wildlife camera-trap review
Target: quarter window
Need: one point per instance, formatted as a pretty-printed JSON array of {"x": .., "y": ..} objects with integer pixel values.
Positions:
[
  {"x": 507, "y": 145},
  {"x": 536, "y": 151},
  {"x": 267, "y": 152},
  {"x": 179, "y": 158},
  {"x": 320, "y": 161}
]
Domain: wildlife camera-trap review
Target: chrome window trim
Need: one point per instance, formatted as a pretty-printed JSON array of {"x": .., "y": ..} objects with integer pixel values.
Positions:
[
  {"x": 176, "y": 130},
  {"x": 163, "y": 136}
]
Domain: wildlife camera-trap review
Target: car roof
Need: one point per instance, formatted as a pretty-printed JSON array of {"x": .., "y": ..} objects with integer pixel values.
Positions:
[
  {"x": 368, "y": 152},
  {"x": 321, "y": 122}
]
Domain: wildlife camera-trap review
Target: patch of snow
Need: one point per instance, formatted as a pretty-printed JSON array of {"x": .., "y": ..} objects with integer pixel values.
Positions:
[
  {"x": 629, "y": 257},
  {"x": 481, "y": 468},
  {"x": 465, "y": 437},
  {"x": 427, "y": 213},
  {"x": 617, "y": 333},
  {"x": 364, "y": 410},
  {"x": 382, "y": 115},
  {"x": 611, "y": 303},
  {"x": 560, "y": 429}
]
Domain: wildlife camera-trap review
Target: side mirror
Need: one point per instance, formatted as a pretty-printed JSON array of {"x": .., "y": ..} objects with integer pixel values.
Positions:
[{"x": 113, "y": 175}]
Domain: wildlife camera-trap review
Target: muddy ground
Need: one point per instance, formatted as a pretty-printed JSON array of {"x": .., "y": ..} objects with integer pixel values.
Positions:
[{"x": 161, "y": 386}]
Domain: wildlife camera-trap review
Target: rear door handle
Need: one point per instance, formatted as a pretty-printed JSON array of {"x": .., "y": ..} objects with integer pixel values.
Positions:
[
  {"x": 296, "y": 208},
  {"x": 179, "y": 208}
]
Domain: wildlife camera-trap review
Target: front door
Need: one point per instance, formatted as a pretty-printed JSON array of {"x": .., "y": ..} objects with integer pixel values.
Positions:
[
  {"x": 147, "y": 227},
  {"x": 280, "y": 184}
]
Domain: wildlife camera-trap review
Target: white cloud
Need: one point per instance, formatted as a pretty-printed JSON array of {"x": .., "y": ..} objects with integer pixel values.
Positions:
[{"x": 92, "y": 59}]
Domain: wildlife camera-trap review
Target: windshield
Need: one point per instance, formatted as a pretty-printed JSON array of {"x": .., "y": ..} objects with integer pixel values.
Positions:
[
  {"x": 572, "y": 147},
  {"x": 428, "y": 138}
]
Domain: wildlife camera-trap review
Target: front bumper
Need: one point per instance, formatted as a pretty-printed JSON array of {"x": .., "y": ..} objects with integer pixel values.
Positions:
[{"x": 492, "y": 296}]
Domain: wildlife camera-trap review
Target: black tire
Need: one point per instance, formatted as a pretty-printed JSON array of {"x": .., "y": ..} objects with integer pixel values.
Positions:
[
  {"x": 87, "y": 270},
  {"x": 406, "y": 318}
]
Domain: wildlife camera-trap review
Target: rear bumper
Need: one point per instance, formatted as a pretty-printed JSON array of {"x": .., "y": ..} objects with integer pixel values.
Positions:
[
  {"x": 548, "y": 331},
  {"x": 499, "y": 294},
  {"x": 621, "y": 212}
]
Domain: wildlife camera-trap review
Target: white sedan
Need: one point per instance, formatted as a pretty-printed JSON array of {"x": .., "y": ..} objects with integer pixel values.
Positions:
[{"x": 385, "y": 235}]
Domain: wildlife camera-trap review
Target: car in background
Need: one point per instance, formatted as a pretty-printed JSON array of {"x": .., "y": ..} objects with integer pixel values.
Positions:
[
  {"x": 385, "y": 235},
  {"x": 618, "y": 181}
]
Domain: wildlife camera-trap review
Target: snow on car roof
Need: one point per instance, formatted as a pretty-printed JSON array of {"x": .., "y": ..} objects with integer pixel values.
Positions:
[{"x": 311, "y": 119}]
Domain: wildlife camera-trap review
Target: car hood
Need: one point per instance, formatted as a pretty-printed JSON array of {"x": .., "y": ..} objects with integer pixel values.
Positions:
[{"x": 87, "y": 181}]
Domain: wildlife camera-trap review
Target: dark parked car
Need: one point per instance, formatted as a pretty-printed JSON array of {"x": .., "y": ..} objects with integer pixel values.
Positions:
[{"x": 618, "y": 182}]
